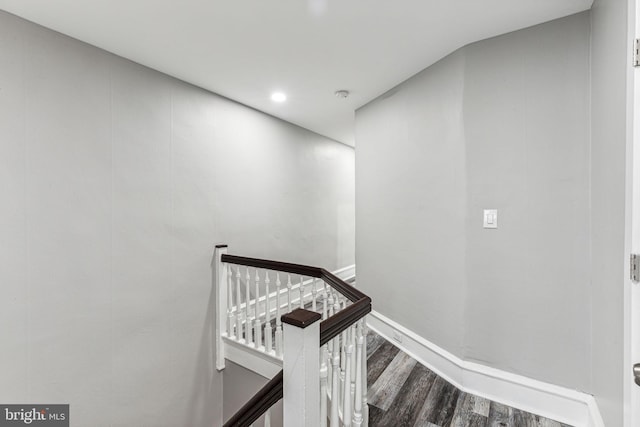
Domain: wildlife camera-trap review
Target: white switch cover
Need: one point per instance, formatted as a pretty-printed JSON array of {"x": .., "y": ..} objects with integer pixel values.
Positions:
[{"x": 490, "y": 218}]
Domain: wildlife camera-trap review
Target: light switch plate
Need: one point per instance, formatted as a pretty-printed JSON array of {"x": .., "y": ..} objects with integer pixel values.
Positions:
[{"x": 490, "y": 218}]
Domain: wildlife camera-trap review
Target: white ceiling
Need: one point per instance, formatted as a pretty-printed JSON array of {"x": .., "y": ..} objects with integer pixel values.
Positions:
[{"x": 245, "y": 49}]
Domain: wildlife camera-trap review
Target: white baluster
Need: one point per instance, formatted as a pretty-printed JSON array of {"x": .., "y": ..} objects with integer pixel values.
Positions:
[
  {"x": 350, "y": 387},
  {"x": 257, "y": 328},
  {"x": 267, "y": 416},
  {"x": 331, "y": 303},
  {"x": 346, "y": 406},
  {"x": 314, "y": 294},
  {"x": 268, "y": 347},
  {"x": 247, "y": 313},
  {"x": 324, "y": 301},
  {"x": 301, "y": 292},
  {"x": 231, "y": 317},
  {"x": 357, "y": 410},
  {"x": 335, "y": 383},
  {"x": 323, "y": 386},
  {"x": 336, "y": 302},
  {"x": 340, "y": 352},
  {"x": 325, "y": 366},
  {"x": 238, "y": 303},
  {"x": 331, "y": 348},
  {"x": 365, "y": 406},
  {"x": 344, "y": 386},
  {"x": 289, "y": 293},
  {"x": 278, "y": 321},
  {"x": 352, "y": 342},
  {"x": 363, "y": 371}
]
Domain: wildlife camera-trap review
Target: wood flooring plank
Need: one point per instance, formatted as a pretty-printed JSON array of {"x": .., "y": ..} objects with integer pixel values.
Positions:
[
  {"x": 430, "y": 405},
  {"x": 408, "y": 402},
  {"x": 546, "y": 422},
  {"x": 477, "y": 420},
  {"x": 405, "y": 393},
  {"x": 384, "y": 391},
  {"x": 379, "y": 361},
  {"x": 447, "y": 405},
  {"x": 375, "y": 414},
  {"x": 465, "y": 414},
  {"x": 374, "y": 341},
  {"x": 425, "y": 424},
  {"x": 524, "y": 419},
  {"x": 500, "y": 415},
  {"x": 481, "y": 406},
  {"x": 440, "y": 403},
  {"x": 462, "y": 410}
]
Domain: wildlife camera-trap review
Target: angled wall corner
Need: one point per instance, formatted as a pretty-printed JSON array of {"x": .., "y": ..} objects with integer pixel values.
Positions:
[
  {"x": 411, "y": 201},
  {"x": 500, "y": 124}
]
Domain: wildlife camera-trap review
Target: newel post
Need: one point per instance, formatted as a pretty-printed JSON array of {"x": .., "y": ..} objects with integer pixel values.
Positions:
[
  {"x": 301, "y": 360},
  {"x": 220, "y": 289}
]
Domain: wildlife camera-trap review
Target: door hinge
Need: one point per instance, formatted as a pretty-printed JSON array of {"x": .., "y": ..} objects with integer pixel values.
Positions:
[
  {"x": 635, "y": 267},
  {"x": 636, "y": 53}
]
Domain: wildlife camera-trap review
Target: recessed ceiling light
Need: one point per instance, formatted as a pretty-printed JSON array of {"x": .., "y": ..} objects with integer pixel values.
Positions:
[{"x": 278, "y": 97}]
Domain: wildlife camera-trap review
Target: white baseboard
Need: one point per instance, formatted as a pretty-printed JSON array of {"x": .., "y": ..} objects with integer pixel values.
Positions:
[
  {"x": 551, "y": 401},
  {"x": 346, "y": 273}
]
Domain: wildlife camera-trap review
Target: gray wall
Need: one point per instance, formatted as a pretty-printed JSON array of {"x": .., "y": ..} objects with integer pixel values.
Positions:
[
  {"x": 526, "y": 114},
  {"x": 240, "y": 384},
  {"x": 609, "y": 56},
  {"x": 411, "y": 202},
  {"x": 115, "y": 182},
  {"x": 502, "y": 123}
]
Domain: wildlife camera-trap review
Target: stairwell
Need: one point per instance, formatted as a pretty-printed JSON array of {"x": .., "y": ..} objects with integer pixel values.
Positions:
[{"x": 363, "y": 380}]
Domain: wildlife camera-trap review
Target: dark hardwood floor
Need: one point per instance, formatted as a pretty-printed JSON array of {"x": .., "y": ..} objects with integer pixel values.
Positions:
[{"x": 403, "y": 393}]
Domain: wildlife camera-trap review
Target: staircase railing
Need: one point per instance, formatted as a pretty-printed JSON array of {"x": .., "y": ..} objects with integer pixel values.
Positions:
[{"x": 272, "y": 308}]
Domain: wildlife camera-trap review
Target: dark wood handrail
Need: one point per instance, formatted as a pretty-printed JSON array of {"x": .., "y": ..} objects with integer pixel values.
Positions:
[
  {"x": 339, "y": 322},
  {"x": 334, "y": 281},
  {"x": 304, "y": 270},
  {"x": 343, "y": 287},
  {"x": 329, "y": 328},
  {"x": 259, "y": 403}
]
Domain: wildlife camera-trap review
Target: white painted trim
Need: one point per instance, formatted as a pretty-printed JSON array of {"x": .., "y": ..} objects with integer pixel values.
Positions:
[
  {"x": 631, "y": 393},
  {"x": 220, "y": 289},
  {"x": 548, "y": 400},
  {"x": 344, "y": 273},
  {"x": 300, "y": 375},
  {"x": 255, "y": 360}
]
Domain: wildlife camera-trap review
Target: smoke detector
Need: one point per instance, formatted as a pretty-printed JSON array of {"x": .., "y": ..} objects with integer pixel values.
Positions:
[{"x": 342, "y": 93}]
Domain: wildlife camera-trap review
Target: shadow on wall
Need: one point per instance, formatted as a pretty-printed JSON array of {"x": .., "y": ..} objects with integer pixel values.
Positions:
[{"x": 204, "y": 398}]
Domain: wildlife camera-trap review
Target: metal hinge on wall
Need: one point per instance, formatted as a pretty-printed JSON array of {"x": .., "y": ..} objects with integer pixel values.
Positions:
[
  {"x": 636, "y": 53},
  {"x": 635, "y": 268}
]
